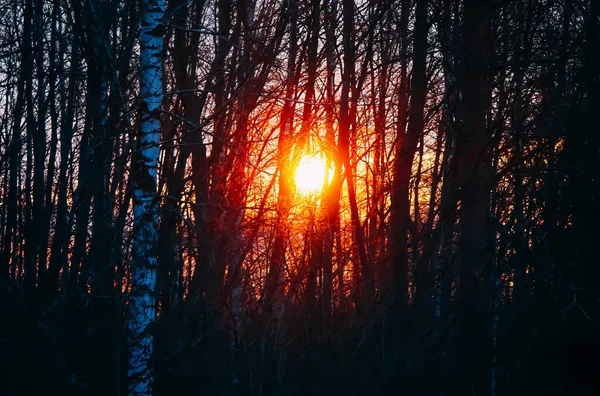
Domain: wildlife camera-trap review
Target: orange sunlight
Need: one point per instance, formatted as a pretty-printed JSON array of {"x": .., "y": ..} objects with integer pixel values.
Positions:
[{"x": 310, "y": 174}]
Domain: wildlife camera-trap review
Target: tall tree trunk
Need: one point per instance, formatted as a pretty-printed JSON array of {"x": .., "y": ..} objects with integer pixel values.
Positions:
[
  {"x": 543, "y": 271},
  {"x": 274, "y": 299},
  {"x": 474, "y": 172},
  {"x": 314, "y": 239},
  {"x": 9, "y": 255},
  {"x": 98, "y": 64},
  {"x": 409, "y": 146},
  {"x": 102, "y": 271},
  {"x": 31, "y": 232},
  {"x": 39, "y": 147},
  {"x": 78, "y": 272},
  {"x": 145, "y": 200},
  {"x": 347, "y": 120},
  {"x": 521, "y": 45},
  {"x": 60, "y": 241},
  {"x": 54, "y": 113},
  {"x": 452, "y": 122},
  {"x": 331, "y": 193},
  {"x": 397, "y": 248}
]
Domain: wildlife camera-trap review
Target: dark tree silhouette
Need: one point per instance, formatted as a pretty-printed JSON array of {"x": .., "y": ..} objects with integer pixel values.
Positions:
[{"x": 158, "y": 235}]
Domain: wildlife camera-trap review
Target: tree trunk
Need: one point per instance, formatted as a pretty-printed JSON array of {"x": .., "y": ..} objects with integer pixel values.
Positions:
[
  {"x": 142, "y": 309},
  {"x": 331, "y": 193},
  {"x": 474, "y": 173},
  {"x": 273, "y": 297},
  {"x": 408, "y": 148},
  {"x": 31, "y": 232},
  {"x": 397, "y": 248}
]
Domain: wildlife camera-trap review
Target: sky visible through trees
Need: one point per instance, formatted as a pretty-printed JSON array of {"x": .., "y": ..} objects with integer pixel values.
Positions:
[{"x": 248, "y": 197}]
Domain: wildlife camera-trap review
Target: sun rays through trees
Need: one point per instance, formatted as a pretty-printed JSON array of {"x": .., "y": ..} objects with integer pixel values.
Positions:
[{"x": 299, "y": 197}]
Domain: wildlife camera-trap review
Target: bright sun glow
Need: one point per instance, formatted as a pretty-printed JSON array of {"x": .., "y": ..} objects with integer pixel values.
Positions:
[{"x": 310, "y": 174}]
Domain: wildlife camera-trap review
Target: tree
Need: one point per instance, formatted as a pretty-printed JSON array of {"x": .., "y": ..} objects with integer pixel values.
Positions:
[
  {"x": 474, "y": 178},
  {"x": 142, "y": 309},
  {"x": 449, "y": 247}
]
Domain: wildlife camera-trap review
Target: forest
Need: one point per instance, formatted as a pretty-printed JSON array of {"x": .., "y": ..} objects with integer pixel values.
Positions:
[{"x": 299, "y": 197}]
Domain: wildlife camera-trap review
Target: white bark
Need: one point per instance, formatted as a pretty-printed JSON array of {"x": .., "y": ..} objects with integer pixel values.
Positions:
[{"x": 142, "y": 304}]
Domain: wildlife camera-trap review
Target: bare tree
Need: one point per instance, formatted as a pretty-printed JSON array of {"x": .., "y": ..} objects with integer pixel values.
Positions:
[{"x": 142, "y": 309}]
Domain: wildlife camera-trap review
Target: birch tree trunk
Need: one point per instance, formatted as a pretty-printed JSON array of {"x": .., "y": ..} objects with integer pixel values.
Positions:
[{"x": 142, "y": 308}]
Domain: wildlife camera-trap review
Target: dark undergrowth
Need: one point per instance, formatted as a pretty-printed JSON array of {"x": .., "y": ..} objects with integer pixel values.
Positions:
[{"x": 72, "y": 350}]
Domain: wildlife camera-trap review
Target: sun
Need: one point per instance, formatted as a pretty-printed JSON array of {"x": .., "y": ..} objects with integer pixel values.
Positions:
[{"x": 310, "y": 174}]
